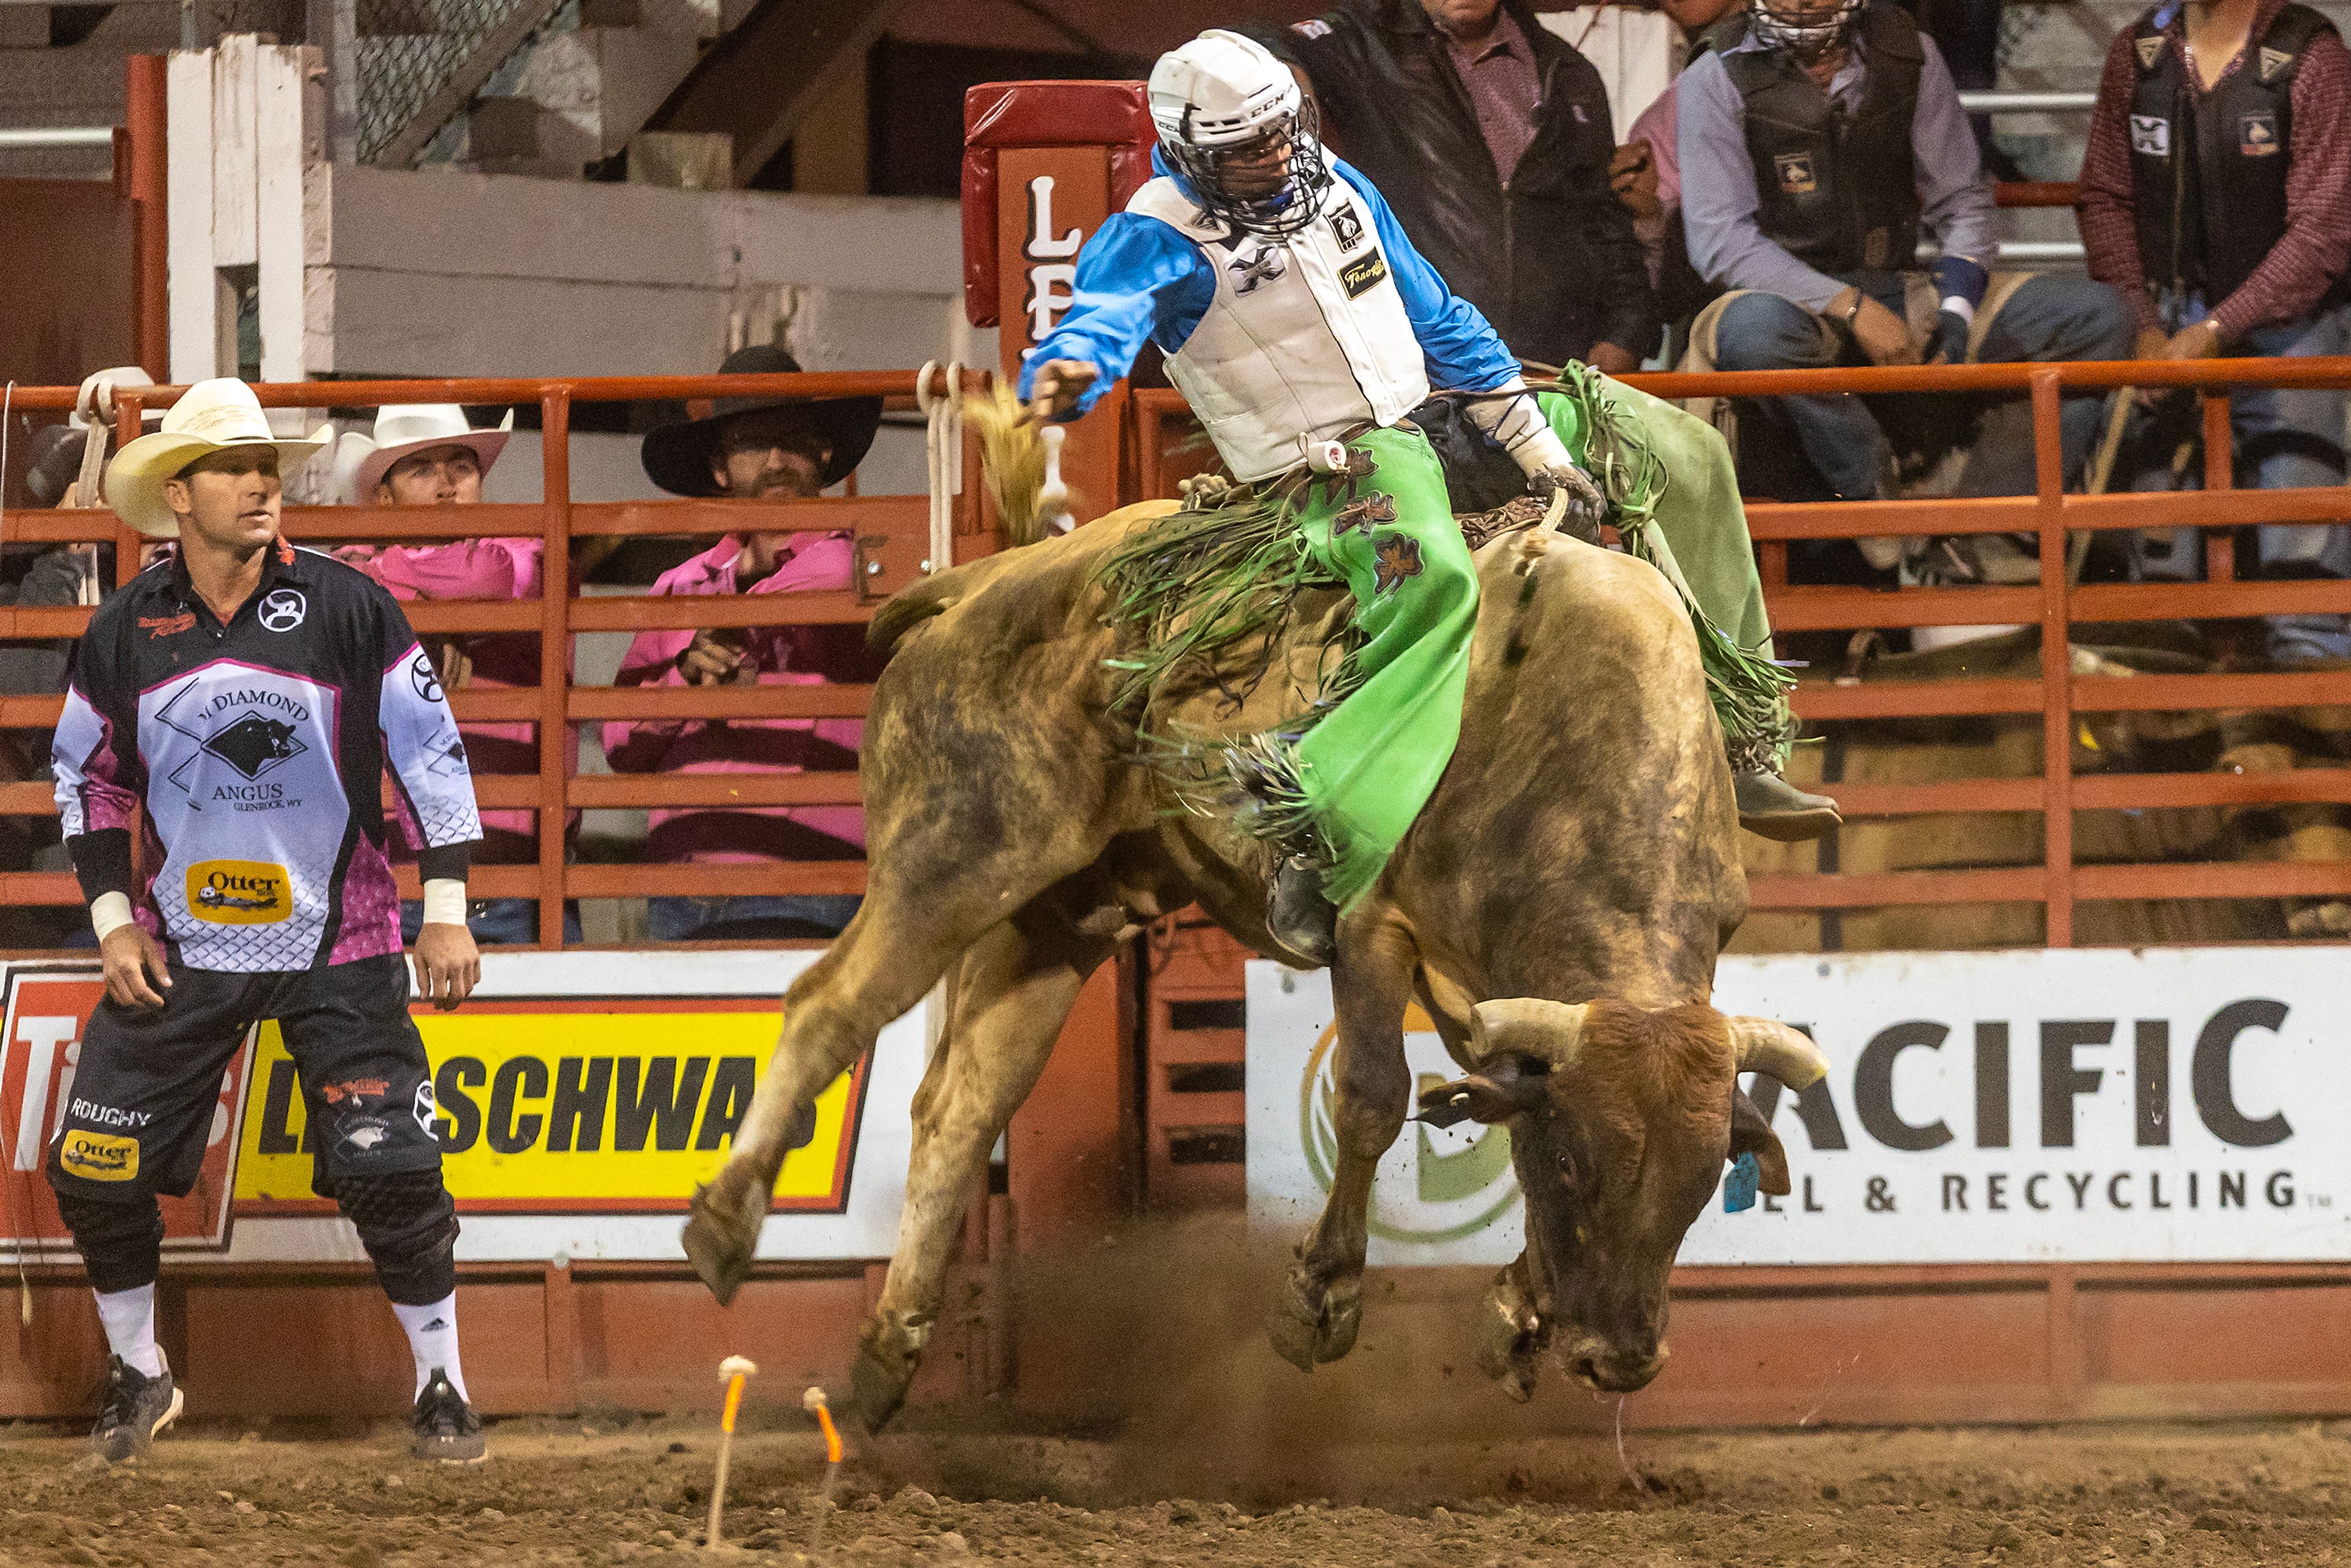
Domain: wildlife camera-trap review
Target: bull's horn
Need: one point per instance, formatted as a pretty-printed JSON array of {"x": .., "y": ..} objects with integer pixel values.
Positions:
[
  {"x": 1771, "y": 1048},
  {"x": 1527, "y": 1025}
]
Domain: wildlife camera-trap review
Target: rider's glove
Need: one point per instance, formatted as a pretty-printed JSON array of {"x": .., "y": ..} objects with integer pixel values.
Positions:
[{"x": 1587, "y": 507}]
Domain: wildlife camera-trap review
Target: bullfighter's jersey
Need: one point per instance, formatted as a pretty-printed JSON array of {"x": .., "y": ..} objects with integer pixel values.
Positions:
[{"x": 258, "y": 750}]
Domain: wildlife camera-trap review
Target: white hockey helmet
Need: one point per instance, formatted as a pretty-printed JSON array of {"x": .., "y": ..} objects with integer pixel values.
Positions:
[{"x": 1224, "y": 94}]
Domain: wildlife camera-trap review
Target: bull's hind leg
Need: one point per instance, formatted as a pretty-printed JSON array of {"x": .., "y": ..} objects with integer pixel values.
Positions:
[
  {"x": 1012, "y": 992},
  {"x": 1321, "y": 1300}
]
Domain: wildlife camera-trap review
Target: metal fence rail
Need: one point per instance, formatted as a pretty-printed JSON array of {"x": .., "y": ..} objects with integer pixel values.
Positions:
[{"x": 893, "y": 534}]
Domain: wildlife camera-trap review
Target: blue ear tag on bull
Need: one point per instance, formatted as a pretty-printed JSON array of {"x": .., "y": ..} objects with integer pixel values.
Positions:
[{"x": 1741, "y": 1186}]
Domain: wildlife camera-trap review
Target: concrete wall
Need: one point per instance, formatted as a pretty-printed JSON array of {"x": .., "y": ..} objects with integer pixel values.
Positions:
[{"x": 441, "y": 273}]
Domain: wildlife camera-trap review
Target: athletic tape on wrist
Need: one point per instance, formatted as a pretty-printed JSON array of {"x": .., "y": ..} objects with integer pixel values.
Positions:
[
  {"x": 109, "y": 913},
  {"x": 445, "y": 901}
]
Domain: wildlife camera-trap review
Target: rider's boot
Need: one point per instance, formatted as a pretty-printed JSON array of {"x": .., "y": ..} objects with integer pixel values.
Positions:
[
  {"x": 1771, "y": 806},
  {"x": 1301, "y": 920}
]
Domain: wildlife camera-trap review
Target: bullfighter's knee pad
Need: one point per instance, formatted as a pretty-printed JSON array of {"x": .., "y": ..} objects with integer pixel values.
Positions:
[
  {"x": 120, "y": 1243},
  {"x": 409, "y": 1226}
]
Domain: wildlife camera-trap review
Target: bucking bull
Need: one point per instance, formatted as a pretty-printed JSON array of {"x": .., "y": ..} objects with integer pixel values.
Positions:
[{"x": 1557, "y": 910}]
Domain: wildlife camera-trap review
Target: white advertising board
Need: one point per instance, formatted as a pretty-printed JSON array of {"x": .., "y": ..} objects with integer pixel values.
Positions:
[
  {"x": 580, "y": 1097},
  {"x": 2035, "y": 1106}
]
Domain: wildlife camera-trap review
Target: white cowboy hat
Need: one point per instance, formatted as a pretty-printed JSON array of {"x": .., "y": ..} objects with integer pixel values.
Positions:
[
  {"x": 402, "y": 429},
  {"x": 211, "y": 416}
]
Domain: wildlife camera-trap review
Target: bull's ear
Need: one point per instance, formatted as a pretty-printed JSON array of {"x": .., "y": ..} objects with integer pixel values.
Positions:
[
  {"x": 1751, "y": 1135},
  {"x": 1508, "y": 1086}
]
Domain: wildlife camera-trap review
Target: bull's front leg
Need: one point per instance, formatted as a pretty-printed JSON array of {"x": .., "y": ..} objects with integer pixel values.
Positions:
[{"x": 1321, "y": 1300}]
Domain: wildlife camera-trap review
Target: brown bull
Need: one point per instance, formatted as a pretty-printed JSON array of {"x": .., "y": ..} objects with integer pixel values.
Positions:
[{"x": 1557, "y": 909}]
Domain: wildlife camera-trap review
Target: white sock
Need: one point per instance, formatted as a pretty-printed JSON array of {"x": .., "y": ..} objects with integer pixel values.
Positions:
[
  {"x": 130, "y": 1320},
  {"x": 433, "y": 1340}
]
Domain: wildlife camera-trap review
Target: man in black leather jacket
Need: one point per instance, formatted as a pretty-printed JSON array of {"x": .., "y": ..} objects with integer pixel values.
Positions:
[{"x": 1541, "y": 248}]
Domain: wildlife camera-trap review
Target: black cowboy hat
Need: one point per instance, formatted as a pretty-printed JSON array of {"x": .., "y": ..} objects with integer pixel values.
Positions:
[{"x": 678, "y": 455}]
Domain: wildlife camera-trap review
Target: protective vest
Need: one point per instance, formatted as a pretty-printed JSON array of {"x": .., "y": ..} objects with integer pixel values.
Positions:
[
  {"x": 1305, "y": 340},
  {"x": 2207, "y": 171},
  {"x": 1837, "y": 190}
]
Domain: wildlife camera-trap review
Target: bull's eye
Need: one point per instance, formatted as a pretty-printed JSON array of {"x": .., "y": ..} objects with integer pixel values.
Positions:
[{"x": 1567, "y": 1167}]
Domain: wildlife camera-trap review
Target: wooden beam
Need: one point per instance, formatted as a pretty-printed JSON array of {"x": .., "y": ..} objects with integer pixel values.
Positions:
[
  {"x": 758, "y": 82},
  {"x": 472, "y": 75}
]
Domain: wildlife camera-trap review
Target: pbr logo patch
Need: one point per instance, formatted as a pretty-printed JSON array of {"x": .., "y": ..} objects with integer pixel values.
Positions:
[
  {"x": 99, "y": 1156},
  {"x": 2150, "y": 134},
  {"x": 239, "y": 893},
  {"x": 2257, "y": 134},
  {"x": 1364, "y": 274},
  {"x": 1346, "y": 227},
  {"x": 2273, "y": 64},
  {"x": 1797, "y": 177},
  {"x": 2149, "y": 51}
]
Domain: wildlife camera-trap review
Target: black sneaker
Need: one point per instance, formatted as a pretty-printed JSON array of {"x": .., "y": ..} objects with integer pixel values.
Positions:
[
  {"x": 448, "y": 1430},
  {"x": 134, "y": 1410}
]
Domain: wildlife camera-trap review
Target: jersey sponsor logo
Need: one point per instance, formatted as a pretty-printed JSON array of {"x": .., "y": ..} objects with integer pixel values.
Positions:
[
  {"x": 1364, "y": 273},
  {"x": 283, "y": 609},
  {"x": 2149, "y": 51},
  {"x": 157, "y": 626},
  {"x": 1346, "y": 227},
  {"x": 2273, "y": 64},
  {"x": 421, "y": 676},
  {"x": 359, "y": 1138},
  {"x": 99, "y": 1156},
  {"x": 239, "y": 893},
  {"x": 2150, "y": 134},
  {"x": 1262, "y": 263},
  {"x": 1797, "y": 176},
  {"x": 1313, "y": 29},
  {"x": 109, "y": 1115},
  {"x": 2257, "y": 135},
  {"x": 355, "y": 1090}
]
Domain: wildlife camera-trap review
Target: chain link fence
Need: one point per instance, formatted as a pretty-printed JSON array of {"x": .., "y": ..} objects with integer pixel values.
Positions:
[{"x": 408, "y": 51}]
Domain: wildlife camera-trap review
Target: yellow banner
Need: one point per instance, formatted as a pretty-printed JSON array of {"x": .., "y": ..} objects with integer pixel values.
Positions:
[{"x": 547, "y": 1111}]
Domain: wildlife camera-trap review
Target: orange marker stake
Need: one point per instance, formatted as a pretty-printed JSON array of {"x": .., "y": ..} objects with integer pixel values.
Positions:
[
  {"x": 735, "y": 1371},
  {"x": 813, "y": 1402}
]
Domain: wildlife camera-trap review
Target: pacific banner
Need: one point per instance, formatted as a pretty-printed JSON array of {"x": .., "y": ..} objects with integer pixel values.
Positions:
[
  {"x": 2090, "y": 1106},
  {"x": 579, "y": 1099}
]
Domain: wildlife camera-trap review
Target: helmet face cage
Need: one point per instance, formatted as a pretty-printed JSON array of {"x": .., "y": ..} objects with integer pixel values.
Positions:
[
  {"x": 1276, "y": 216},
  {"x": 1807, "y": 40}
]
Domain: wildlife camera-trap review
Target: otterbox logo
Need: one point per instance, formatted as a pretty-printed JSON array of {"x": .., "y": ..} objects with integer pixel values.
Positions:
[
  {"x": 99, "y": 1156},
  {"x": 238, "y": 893},
  {"x": 1796, "y": 176},
  {"x": 1361, "y": 275}
]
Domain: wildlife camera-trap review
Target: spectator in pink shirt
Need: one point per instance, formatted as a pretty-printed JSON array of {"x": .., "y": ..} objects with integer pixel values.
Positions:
[
  {"x": 756, "y": 449},
  {"x": 429, "y": 455}
]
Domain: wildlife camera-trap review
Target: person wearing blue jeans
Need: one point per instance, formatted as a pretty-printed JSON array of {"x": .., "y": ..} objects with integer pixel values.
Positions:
[{"x": 1818, "y": 142}]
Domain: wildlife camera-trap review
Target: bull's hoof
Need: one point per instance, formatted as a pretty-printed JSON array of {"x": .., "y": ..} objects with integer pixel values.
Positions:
[
  {"x": 1315, "y": 1320},
  {"x": 722, "y": 1232},
  {"x": 888, "y": 1351},
  {"x": 1510, "y": 1339}
]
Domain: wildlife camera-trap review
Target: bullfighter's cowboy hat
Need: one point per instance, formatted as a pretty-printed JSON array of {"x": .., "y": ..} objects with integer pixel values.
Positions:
[
  {"x": 403, "y": 430},
  {"x": 678, "y": 455},
  {"x": 217, "y": 415}
]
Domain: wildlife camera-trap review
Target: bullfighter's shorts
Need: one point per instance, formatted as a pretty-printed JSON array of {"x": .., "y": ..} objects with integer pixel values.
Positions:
[{"x": 146, "y": 1093}]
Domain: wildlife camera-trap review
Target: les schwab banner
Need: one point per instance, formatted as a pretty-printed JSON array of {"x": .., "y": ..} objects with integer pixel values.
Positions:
[
  {"x": 2071, "y": 1106},
  {"x": 580, "y": 1099}
]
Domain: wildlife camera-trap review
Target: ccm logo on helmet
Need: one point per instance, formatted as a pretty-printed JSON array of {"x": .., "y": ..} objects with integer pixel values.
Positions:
[
  {"x": 239, "y": 893},
  {"x": 99, "y": 1156}
]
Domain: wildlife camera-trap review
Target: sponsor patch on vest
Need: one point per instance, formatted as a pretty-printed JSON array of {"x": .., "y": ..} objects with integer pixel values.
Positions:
[
  {"x": 1364, "y": 273},
  {"x": 99, "y": 1156},
  {"x": 1263, "y": 264},
  {"x": 1346, "y": 227},
  {"x": 239, "y": 893},
  {"x": 2149, "y": 51},
  {"x": 2150, "y": 134},
  {"x": 1797, "y": 177},
  {"x": 2257, "y": 134},
  {"x": 2275, "y": 63},
  {"x": 1314, "y": 29}
]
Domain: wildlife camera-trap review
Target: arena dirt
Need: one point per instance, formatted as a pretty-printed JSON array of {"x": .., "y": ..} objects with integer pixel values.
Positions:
[{"x": 559, "y": 1493}]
